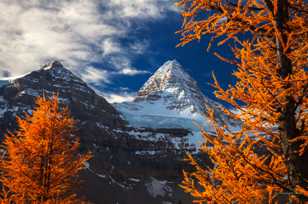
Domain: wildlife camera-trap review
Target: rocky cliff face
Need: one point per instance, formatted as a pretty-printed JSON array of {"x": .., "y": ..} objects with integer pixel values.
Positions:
[
  {"x": 130, "y": 164},
  {"x": 18, "y": 96}
]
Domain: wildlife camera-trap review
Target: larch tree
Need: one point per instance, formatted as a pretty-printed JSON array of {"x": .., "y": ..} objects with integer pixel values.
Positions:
[
  {"x": 42, "y": 157},
  {"x": 267, "y": 160}
]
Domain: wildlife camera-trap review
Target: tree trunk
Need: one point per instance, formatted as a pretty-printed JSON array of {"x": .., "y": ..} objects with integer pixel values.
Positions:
[{"x": 287, "y": 120}]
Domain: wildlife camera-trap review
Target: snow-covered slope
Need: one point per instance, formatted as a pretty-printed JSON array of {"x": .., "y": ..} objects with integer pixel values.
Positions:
[{"x": 169, "y": 99}]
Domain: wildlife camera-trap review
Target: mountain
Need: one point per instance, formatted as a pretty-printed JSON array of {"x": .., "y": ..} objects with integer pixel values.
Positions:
[
  {"x": 19, "y": 94},
  {"x": 175, "y": 87},
  {"x": 130, "y": 164},
  {"x": 171, "y": 98}
]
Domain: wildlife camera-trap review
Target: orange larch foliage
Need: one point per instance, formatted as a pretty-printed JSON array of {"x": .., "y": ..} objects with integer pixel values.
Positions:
[
  {"x": 267, "y": 160},
  {"x": 42, "y": 158}
]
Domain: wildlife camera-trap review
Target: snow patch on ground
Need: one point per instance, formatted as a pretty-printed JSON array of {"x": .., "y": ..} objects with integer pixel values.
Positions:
[
  {"x": 134, "y": 180},
  {"x": 158, "y": 188},
  {"x": 146, "y": 152}
]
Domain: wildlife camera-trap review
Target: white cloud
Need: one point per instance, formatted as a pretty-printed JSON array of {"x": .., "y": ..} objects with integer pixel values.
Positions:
[
  {"x": 142, "y": 8},
  {"x": 78, "y": 32},
  {"x": 109, "y": 46},
  {"x": 139, "y": 47},
  {"x": 123, "y": 66},
  {"x": 132, "y": 71},
  {"x": 35, "y": 34},
  {"x": 119, "y": 98},
  {"x": 94, "y": 75}
]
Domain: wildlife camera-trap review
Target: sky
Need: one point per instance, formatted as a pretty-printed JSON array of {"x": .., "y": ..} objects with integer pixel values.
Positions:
[{"x": 114, "y": 45}]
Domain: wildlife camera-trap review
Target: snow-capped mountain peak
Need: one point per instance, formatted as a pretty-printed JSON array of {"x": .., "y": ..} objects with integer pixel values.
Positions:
[
  {"x": 170, "y": 75},
  {"x": 53, "y": 65},
  {"x": 175, "y": 88},
  {"x": 169, "y": 98},
  {"x": 19, "y": 94},
  {"x": 57, "y": 70}
]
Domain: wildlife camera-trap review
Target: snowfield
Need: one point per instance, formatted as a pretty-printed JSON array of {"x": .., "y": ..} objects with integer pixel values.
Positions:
[{"x": 170, "y": 99}]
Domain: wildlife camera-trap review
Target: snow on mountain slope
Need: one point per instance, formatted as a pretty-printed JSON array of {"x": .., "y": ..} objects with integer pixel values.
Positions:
[
  {"x": 157, "y": 115},
  {"x": 177, "y": 87},
  {"x": 169, "y": 99}
]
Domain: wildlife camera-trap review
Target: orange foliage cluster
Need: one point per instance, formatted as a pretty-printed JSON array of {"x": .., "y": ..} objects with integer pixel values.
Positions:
[
  {"x": 42, "y": 158},
  {"x": 266, "y": 161}
]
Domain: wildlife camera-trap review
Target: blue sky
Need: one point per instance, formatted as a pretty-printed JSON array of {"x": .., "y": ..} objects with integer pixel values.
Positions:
[
  {"x": 162, "y": 47},
  {"x": 114, "y": 45}
]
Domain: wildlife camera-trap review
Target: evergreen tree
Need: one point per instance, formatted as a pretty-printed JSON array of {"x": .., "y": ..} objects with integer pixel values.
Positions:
[{"x": 42, "y": 158}]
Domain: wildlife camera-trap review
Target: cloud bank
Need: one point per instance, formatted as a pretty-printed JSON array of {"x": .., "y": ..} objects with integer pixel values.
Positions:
[{"x": 80, "y": 33}]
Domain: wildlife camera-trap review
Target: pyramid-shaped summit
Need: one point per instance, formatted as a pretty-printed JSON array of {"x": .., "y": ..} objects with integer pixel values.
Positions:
[
  {"x": 85, "y": 105},
  {"x": 58, "y": 71},
  {"x": 169, "y": 76},
  {"x": 169, "y": 98},
  {"x": 174, "y": 87},
  {"x": 53, "y": 65}
]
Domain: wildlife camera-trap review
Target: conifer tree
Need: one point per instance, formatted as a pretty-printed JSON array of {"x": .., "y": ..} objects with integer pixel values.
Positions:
[
  {"x": 42, "y": 157},
  {"x": 266, "y": 161}
]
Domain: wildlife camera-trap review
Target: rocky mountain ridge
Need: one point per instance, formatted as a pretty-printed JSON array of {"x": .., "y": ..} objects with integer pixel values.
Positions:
[
  {"x": 130, "y": 164},
  {"x": 18, "y": 96}
]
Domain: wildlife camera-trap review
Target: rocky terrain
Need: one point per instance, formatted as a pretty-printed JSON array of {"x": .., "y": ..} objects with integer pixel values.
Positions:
[
  {"x": 17, "y": 96},
  {"x": 131, "y": 164}
]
